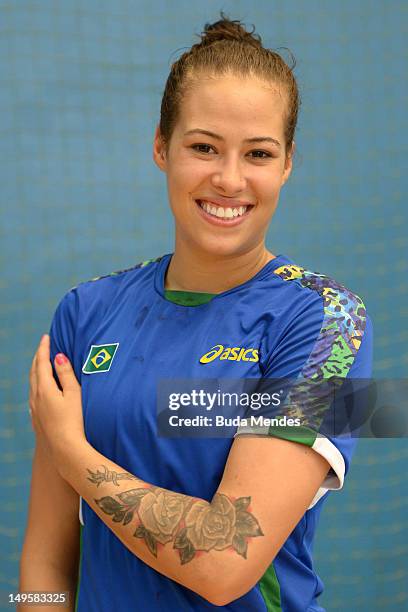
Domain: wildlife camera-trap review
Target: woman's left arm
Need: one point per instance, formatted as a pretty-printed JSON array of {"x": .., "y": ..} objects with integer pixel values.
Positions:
[{"x": 219, "y": 549}]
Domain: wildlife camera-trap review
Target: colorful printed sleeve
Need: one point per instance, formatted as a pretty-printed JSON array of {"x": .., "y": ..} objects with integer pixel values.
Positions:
[{"x": 326, "y": 343}]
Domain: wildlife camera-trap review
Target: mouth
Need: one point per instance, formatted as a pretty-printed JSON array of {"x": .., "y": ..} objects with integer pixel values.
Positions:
[{"x": 223, "y": 215}]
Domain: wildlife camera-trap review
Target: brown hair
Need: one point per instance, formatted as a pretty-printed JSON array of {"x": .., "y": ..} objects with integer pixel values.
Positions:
[{"x": 226, "y": 47}]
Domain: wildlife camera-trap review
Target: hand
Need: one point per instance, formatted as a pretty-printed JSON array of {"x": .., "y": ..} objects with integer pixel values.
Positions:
[{"x": 56, "y": 415}]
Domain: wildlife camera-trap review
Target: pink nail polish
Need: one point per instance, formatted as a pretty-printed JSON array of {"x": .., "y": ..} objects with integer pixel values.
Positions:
[{"x": 61, "y": 359}]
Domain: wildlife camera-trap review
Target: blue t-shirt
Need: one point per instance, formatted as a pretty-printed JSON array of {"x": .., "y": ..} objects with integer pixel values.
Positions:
[{"x": 122, "y": 335}]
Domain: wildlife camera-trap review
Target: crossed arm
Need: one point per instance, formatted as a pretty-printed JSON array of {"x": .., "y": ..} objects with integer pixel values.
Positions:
[
  {"x": 218, "y": 548},
  {"x": 221, "y": 548}
]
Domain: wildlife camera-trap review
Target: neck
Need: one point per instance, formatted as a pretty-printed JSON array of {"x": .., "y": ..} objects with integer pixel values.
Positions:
[{"x": 190, "y": 270}]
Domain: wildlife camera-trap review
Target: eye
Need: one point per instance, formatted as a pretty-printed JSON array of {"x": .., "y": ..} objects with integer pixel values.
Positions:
[
  {"x": 195, "y": 147},
  {"x": 264, "y": 153}
]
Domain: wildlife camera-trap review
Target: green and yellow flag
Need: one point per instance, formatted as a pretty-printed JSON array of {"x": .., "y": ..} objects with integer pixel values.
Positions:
[{"x": 100, "y": 358}]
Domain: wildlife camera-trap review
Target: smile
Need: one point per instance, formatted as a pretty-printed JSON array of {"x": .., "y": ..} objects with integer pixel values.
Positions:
[{"x": 222, "y": 215}]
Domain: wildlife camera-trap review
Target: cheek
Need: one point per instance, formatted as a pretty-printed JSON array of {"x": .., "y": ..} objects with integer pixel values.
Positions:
[
  {"x": 179, "y": 190},
  {"x": 267, "y": 190},
  {"x": 188, "y": 172},
  {"x": 183, "y": 181}
]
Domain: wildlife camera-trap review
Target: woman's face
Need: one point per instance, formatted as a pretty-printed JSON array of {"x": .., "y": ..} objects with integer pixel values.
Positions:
[{"x": 223, "y": 170}]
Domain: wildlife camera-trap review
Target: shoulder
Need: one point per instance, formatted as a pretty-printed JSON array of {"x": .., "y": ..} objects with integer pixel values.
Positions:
[
  {"x": 102, "y": 289},
  {"x": 112, "y": 280},
  {"x": 322, "y": 325},
  {"x": 82, "y": 308},
  {"x": 90, "y": 299},
  {"x": 338, "y": 304}
]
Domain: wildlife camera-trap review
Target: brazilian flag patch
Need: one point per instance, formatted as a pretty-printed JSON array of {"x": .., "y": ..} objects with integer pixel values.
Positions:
[{"x": 100, "y": 358}]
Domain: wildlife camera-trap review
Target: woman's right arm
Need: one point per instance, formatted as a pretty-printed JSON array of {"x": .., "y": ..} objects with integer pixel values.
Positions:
[{"x": 50, "y": 556}]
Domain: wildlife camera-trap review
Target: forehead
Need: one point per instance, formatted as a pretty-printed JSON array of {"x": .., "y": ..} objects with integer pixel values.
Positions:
[{"x": 231, "y": 102}]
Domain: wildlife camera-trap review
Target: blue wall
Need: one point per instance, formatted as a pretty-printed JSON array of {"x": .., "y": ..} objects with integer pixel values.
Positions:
[{"x": 81, "y": 84}]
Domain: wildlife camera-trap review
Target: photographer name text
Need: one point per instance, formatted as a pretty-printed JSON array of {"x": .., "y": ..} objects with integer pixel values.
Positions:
[{"x": 221, "y": 421}]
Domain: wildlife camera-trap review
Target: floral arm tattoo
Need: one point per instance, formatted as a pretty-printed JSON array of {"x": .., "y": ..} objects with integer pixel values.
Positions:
[{"x": 192, "y": 524}]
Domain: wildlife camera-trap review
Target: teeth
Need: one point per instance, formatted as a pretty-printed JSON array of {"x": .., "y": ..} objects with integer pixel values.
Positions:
[{"x": 221, "y": 212}]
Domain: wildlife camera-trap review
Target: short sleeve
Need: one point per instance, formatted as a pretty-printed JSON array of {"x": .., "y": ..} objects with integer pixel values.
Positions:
[
  {"x": 62, "y": 330},
  {"x": 338, "y": 449},
  {"x": 321, "y": 345}
]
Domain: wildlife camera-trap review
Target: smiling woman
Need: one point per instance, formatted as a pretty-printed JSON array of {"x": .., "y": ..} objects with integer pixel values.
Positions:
[
  {"x": 225, "y": 166},
  {"x": 197, "y": 521}
]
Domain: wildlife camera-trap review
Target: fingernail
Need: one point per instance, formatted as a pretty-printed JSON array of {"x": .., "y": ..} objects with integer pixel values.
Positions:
[{"x": 61, "y": 359}]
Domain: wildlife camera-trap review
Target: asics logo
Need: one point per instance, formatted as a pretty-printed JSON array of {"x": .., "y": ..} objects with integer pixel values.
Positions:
[{"x": 236, "y": 353}]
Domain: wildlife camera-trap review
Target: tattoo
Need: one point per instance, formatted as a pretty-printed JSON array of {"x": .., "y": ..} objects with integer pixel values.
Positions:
[
  {"x": 108, "y": 476},
  {"x": 192, "y": 524}
]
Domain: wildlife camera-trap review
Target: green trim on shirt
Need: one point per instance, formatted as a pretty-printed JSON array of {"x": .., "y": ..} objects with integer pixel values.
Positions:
[
  {"x": 187, "y": 298},
  {"x": 299, "y": 433},
  {"x": 270, "y": 590}
]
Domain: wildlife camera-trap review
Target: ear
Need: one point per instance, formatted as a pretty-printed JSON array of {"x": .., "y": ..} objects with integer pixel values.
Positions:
[
  {"x": 288, "y": 164},
  {"x": 159, "y": 153}
]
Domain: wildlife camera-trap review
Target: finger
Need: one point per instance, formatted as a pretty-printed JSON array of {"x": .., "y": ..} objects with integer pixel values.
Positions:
[
  {"x": 45, "y": 379},
  {"x": 66, "y": 374}
]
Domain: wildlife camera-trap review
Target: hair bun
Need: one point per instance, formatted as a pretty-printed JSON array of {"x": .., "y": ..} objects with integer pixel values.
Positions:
[{"x": 227, "y": 29}]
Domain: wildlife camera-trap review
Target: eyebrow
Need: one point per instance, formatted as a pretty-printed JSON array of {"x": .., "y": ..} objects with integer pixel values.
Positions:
[{"x": 218, "y": 137}]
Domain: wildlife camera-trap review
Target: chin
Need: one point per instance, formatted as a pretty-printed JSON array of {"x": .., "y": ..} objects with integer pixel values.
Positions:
[{"x": 221, "y": 248}]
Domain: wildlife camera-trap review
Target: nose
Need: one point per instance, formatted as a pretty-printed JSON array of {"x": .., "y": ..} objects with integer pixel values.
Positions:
[{"x": 228, "y": 176}]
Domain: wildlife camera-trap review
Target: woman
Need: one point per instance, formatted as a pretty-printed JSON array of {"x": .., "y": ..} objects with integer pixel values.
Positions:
[{"x": 181, "y": 523}]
